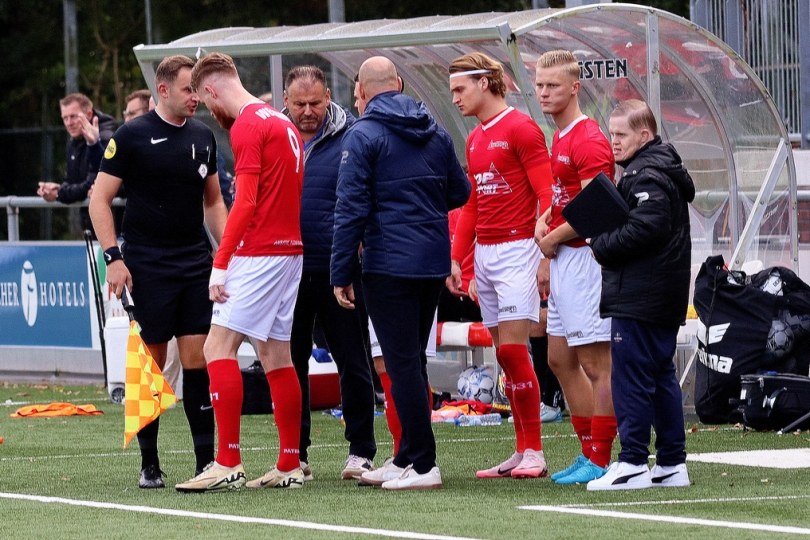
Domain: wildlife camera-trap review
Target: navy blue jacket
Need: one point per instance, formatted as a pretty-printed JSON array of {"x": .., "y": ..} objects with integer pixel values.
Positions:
[
  {"x": 399, "y": 176},
  {"x": 321, "y": 161},
  {"x": 646, "y": 262}
]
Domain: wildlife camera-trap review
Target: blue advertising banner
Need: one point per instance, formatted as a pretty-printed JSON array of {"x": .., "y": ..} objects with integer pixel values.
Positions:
[{"x": 46, "y": 298}]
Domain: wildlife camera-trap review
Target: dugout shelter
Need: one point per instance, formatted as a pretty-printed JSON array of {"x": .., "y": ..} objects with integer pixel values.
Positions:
[{"x": 708, "y": 101}]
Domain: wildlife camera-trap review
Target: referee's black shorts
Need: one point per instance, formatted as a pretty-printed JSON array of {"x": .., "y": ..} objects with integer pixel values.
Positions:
[{"x": 170, "y": 289}]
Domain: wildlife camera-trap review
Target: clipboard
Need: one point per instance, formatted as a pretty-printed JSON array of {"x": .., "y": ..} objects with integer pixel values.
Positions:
[{"x": 597, "y": 209}]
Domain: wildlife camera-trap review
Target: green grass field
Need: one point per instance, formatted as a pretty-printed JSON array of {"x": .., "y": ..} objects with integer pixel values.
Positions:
[{"x": 71, "y": 478}]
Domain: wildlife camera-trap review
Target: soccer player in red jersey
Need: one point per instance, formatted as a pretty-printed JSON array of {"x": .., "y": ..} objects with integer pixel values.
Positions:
[
  {"x": 509, "y": 168},
  {"x": 578, "y": 338},
  {"x": 255, "y": 277}
]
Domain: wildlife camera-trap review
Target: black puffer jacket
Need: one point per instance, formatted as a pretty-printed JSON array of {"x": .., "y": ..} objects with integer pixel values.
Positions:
[
  {"x": 646, "y": 262},
  {"x": 83, "y": 161}
]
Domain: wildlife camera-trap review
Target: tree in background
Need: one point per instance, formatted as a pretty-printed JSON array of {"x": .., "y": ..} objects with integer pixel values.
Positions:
[{"x": 33, "y": 74}]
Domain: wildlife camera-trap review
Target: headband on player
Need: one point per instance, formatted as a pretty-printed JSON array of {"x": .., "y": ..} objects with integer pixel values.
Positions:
[{"x": 470, "y": 72}]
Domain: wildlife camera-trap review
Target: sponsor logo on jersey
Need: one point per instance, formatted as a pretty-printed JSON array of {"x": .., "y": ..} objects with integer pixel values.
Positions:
[
  {"x": 503, "y": 145},
  {"x": 158, "y": 141}
]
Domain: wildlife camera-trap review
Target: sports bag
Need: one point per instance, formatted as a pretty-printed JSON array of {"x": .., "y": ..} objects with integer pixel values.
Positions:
[
  {"x": 748, "y": 324},
  {"x": 256, "y": 390},
  {"x": 773, "y": 402}
]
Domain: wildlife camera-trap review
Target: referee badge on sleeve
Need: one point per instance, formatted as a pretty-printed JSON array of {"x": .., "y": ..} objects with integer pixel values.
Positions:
[
  {"x": 110, "y": 151},
  {"x": 203, "y": 170}
]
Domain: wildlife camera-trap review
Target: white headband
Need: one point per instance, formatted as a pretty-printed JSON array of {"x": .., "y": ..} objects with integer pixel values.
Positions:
[{"x": 471, "y": 72}]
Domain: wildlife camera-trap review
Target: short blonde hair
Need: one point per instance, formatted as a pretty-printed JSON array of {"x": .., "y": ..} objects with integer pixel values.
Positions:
[
  {"x": 479, "y": 61},
  {"x": 170, "y": 66},
  {"x": 560, "y": 58},
  {"x": 639, "y": 115},
  {"x": 211, "y": 64}
]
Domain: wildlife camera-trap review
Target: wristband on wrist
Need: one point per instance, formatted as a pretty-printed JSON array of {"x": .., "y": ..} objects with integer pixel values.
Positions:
[{"x": 112, "y": 254}]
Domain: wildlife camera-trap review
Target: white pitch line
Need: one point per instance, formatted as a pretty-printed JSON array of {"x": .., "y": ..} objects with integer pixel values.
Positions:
[
  {"x": 691, "y": 501},
  {"x": 670, "y": 519},
  {"x": 236, "y": 519}
]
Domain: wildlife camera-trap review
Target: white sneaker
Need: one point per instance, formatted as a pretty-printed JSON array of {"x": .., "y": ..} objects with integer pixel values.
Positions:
[
  {"x": 356, "y": 466},
  {"x": 622, "y": 475},
  {"x": 215, "y": 477},
  {"x": 502, "y": 470},
  {"x": 549, "y": 414},
  {"x": 378, "y": 476},
  {"x": 410, "y": 479},
  {"x": 672, "y": 476},
  {"x": 307, "y": 469}
]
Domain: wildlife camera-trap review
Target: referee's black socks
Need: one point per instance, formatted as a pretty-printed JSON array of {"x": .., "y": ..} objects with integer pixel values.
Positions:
[{"x": 200, "y": 414}]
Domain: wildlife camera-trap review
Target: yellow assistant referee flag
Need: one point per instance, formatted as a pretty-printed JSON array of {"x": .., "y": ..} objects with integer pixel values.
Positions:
[{"x": 146, "y": 392}]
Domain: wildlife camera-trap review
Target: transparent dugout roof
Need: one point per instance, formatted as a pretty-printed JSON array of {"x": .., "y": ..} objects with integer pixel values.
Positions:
[{"x": 709, "y": 103}]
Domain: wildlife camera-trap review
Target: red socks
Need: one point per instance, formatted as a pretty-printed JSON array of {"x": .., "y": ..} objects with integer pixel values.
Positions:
[
  {"x": 524, "y": 395},
  {"x": 582, "y": 427},
  {"x": 391, "y": 416},
  {"x": 286, "y": 394},
  {"x": 226, "y": 398},
  {"x": 603, "y": 432}
]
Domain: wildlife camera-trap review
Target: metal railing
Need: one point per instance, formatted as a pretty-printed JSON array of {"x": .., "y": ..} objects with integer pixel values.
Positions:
[{"x": 13, "y": 205}]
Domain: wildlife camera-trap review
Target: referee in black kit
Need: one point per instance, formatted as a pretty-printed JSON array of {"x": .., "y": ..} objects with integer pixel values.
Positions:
[{"x": 167, "y": 162}]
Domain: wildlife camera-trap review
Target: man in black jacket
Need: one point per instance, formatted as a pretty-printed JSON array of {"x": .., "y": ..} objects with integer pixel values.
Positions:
[
  {"x": 90, "y": 130},
  {"x": 645, "y": 290}
]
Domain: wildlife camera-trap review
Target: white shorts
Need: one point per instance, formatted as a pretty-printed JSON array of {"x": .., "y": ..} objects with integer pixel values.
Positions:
[
  {"x": 573, "y": 305},
  {"x": 506, "y": 276},
  {"x": 262, "y": 296},
  {"x": 376, "y": 350}
]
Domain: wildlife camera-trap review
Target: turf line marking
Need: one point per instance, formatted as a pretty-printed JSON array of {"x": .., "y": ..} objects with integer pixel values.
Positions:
[
  {"x": 679, "y": 520},
  {"x": 237, "y": 519},
  {"x": 691, "y": 501}
]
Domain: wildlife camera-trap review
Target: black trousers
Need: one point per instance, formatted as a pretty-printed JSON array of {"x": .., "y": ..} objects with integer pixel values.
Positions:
[
  {"x": 344, "y": 331},
  {"x": 402, "y": 312}
]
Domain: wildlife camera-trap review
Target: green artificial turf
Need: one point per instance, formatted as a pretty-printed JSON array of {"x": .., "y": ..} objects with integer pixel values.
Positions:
[{"x": 82, "y": 459}]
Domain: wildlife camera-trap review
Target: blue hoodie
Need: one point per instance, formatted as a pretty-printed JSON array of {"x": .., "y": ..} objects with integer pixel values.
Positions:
[{"x": 398, "y": 178}]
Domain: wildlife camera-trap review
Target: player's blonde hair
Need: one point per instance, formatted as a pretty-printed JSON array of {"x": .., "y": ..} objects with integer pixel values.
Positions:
[
  {"x": 560, "y": 58},
  {"x": 170, "y": 66},
  {"x": 214, "y": 63},
  {"x": 480, "y": 62},
  {"x": 639, "y": 115}
]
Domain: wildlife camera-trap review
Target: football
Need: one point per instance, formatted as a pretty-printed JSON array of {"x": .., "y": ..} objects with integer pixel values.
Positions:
[
  {"x": 798, "y": 323},
  {"x": 463, "y": 385},
  {"x": 780, "y": 339},
  {"x": 482, "y": 385}
]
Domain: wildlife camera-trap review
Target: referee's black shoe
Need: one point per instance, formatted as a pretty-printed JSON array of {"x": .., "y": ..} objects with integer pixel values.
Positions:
[{"x": 151, "y": 478}]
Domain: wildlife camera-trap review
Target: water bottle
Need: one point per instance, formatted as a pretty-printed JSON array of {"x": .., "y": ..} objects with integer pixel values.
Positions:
[{"x": 490, "y": 419}]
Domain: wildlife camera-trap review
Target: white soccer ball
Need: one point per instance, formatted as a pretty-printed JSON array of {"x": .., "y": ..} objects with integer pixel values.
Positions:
[
  {"x": 482, "y": 385},
  {"x": 799, "y": 323},
  {"x": 463, "y": 385}
]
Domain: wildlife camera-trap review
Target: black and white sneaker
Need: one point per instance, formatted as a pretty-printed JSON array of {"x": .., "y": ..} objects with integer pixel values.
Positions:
[
  {"x": 151, "y": 478},
  {"x": 622, "y": 475},
  {"x": 355, "y": 466},
  {"x": 672, "y": 476}
]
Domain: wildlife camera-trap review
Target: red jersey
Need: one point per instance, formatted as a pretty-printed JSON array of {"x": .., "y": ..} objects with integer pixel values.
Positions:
[
  {"x": 269, "y": 165},
  {"x": 508, "y": 165},
  {"x": 578, "y": 152}
]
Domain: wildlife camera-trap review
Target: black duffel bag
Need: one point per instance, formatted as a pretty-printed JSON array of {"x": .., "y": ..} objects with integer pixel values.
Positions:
[
  {"x": 774, "y": 402},
  {"x": 256, "y": 389}
]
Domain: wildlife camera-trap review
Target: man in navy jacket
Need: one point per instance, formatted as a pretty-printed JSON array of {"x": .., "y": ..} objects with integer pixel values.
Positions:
[
  {"x": 322, "y": 125},
  {"x": 399, "y": 176}
]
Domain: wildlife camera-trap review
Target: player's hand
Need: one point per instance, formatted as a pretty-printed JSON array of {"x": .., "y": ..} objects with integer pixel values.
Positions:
[
  {"x": 543, "y": 277},
  {"x": 453, "y": 281},
  {"x": 118, "y": 277},
  {"x": 472, "y": 291},
  {"x": 548, "y": 246},
  {"x": 345, "y": 296},
  {"x": 540, "y": 230},
  {"x": 216, "y": 286},
  {"x": 90, "y": 130}
]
